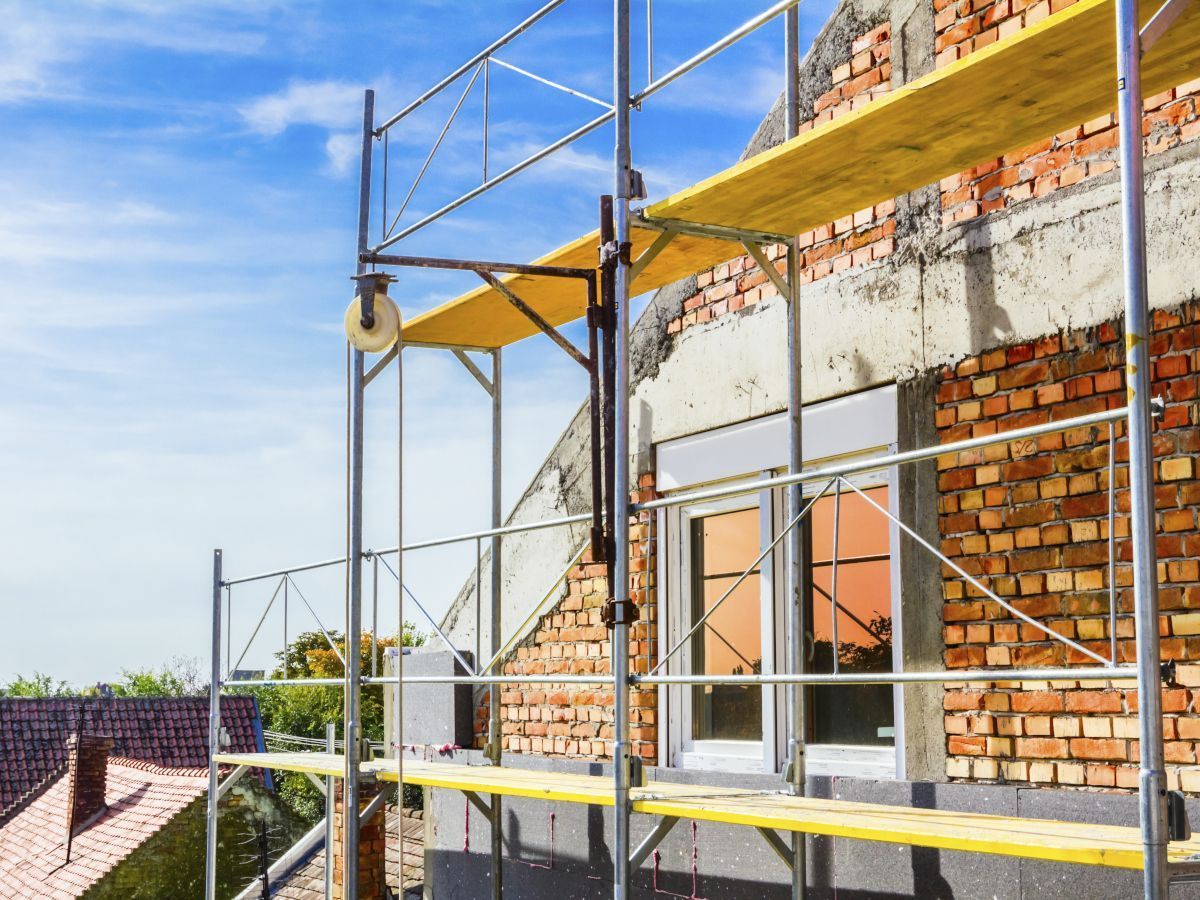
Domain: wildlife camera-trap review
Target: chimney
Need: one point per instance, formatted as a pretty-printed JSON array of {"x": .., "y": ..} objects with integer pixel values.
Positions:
[
  {"x": 87, "y": 769},
  {"x": 371, "y": 836}
]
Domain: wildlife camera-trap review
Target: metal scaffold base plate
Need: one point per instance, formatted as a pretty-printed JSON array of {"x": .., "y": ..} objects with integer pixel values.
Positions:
[{"x": 1071, "y": 842}]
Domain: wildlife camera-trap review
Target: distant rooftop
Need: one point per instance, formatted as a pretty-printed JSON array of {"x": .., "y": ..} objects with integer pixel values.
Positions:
[
  {"x": 166, "y": 731},
  {"x": 141, "y": 797}
]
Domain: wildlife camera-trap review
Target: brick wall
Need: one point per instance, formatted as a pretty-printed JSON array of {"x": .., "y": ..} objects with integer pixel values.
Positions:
[
  {"x": 1060, "y": 160},
  {"x": 853, "y": 240},
  {"x": 574, "y": 720},
  {"x": 1030, "y": 520}
]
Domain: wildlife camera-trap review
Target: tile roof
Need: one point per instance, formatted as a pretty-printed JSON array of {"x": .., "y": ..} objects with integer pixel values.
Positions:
[
  {"x": 141, "y": 797},
  {"x": 168, "y": 731},
  {"x": 307, "y": 882}
]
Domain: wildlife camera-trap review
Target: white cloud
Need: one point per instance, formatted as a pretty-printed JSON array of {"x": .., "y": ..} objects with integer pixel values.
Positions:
[
  {"x": 43, "y": 44},
  {"x": 327, "y": 104},
  {"x": 343, "y": 151}
]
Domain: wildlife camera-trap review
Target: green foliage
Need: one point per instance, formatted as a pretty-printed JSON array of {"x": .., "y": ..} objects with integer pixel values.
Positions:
[
  {"x": 37, "y": 685},
  {"x": 178, "y": 678},
  {"x": 304, "y": 710}
]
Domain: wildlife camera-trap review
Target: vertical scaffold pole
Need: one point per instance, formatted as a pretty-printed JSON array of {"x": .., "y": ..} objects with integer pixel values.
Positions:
[
  {"x": 622, "y": 167},
  {"x": 330, "y": 787},
  {"x": 1152, "y": 780},
  {"x": 214, "y": 735},
  {"x": 398, "y": 696},
  {"x": 494, "y": 734},
  {"x": 799, "y": 540},
  {"x": 352, "y": 730}
]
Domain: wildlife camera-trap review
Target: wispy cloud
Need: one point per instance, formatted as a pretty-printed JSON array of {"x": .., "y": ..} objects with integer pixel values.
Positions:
[
  {"x": 42, "y": 44},
  {"x": 328, "y": 104}
]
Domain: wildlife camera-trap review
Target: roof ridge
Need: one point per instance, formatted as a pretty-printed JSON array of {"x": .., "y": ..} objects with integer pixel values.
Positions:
[{"x": 154, "y": 768}]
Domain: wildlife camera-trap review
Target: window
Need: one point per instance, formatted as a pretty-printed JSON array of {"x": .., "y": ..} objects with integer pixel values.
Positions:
[
  {"x": 852, "y": 718},
  {"x": 708, "y": 551},
  {"x": 713, "y": 550},
  {"x": 724, "y": 546}
]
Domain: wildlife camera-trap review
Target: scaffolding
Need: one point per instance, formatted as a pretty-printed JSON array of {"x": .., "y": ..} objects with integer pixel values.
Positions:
[{"x": 988, "y": 103}]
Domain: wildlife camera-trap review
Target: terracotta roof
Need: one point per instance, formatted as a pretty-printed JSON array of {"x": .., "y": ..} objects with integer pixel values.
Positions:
[
  {"x": 141, "y": 797},
  {"x": 307, "y": 882},
  {"x": 168, "y": 731}
]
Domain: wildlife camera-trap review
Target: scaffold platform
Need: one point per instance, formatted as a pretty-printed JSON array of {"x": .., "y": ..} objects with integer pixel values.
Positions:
[
  {"x": 1111, "y": 846},
  {"x": 1042, "y": 80}
]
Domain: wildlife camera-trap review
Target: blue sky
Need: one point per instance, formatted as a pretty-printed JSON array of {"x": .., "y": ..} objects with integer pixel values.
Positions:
[{"x": 177, "y": 213}]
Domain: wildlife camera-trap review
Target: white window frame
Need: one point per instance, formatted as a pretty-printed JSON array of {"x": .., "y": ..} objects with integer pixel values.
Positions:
[
  {"x": 683, "y": 750},
  {"x": 854, "y": 759},
  {"x": 855, "y": 425}
]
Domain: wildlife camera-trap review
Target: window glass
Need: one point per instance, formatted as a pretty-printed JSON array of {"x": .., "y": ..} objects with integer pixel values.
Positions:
[
  {"x": 723, "y": 546},
  {"x": 852, "y": 714}
]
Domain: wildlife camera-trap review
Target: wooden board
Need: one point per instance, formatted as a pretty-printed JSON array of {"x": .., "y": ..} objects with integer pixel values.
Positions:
[
  {"x": 1052, "y": 75},
  {"x": 1047, "y": 77},
  {"x": 483, "y": 318},
  {"x": 1073, "y": 842}
]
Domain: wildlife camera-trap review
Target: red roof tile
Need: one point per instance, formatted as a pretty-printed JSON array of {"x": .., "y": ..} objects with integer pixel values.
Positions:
[
  {"x": 141, "y": 797},
  {"x": 168, "y": 731}
]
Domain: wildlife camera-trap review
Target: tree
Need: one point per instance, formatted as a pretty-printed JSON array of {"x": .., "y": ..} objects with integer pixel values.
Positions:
[
  {"x": 304, "y": 710},
  {"x": 180, "y": 677},
  {"x": 37, "y": 685}
]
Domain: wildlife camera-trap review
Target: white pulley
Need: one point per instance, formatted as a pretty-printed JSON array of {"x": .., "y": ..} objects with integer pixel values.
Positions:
[{"x": 383, "y": 331}]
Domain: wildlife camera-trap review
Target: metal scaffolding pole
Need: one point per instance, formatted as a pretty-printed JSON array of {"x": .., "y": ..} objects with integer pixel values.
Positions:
[
  {"x": 619, "y": 589},
  {"x": 214, "y": 735},
  {"x": 330, "y": 787},
  {"x": 494, "y": 735},
  {"x": 351, "y": 732},
  {"x": 799, "y": 577},
  {"x": 1152, "y": 781}
]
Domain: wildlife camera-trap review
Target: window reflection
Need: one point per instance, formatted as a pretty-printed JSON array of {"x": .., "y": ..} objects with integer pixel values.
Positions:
[
  {"x": 852, "y": 714},
  {"x": 723, "y": 547}
]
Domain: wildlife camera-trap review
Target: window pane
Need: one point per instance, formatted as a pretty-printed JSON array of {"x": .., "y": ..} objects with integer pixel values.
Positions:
[
  {"x": 730, "y": 643},
  {"x": 864, "y": 620}
]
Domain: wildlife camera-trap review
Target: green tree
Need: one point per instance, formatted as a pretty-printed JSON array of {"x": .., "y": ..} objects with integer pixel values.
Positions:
[
  {"x": 304, "y": 710},
  {"x": 180, "y": 677},
  {"x": 37, "y": 685}
]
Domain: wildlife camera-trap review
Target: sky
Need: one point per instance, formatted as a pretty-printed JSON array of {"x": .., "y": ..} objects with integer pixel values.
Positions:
[{"x": 178, "y": 189}]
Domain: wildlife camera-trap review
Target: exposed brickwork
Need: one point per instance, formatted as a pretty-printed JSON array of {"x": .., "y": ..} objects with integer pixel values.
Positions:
[
  {"x": 87, "y": 773},
  {"x": 170, "y": 731},
  {"x": 1060, "y": 160},
  {"x": 372, "y": 884},
  {"x": 1030, "y": 520},
  {"x": 573, "y": 720},
  {"x": 853, "y": 240}
]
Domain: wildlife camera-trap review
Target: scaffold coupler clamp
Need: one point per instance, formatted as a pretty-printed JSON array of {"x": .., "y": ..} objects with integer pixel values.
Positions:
[
  {"x": 612, "y": 251},
  {"x": 599, "y": 316},
  {"x": 1166, "y": 672},
  {"x": 1158, "y": 407},
  {"x": 619, "y": 612}
]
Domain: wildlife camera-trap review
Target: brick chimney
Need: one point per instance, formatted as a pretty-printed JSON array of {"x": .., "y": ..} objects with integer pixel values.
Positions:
[
  {"x": 371, "y": 882},
  {"x": 87, "y": 770}
]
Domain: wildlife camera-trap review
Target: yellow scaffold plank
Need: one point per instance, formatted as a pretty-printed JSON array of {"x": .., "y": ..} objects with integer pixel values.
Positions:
[
  {"x": 1052, "y": 75},
  {"x": 327, "y": 764},
  {"x": 485, "y": 319},
  {"x": 1071, "y": 842},
  {"x": 1045, "y": 78}
]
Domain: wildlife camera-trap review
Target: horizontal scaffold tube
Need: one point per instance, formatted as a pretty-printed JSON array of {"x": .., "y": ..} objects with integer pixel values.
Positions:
[
  {"x": 824, "y": 472},
  {"x": 967, "y": 676}
]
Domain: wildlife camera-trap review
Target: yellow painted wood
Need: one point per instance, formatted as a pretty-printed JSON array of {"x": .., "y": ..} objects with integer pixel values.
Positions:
[
  {"x": 484, "y": 318},
  {"x": 329, "y": 764},
  {"x": 1073, "y": 842},
  {"x": 1046, "y": 78}
]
